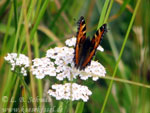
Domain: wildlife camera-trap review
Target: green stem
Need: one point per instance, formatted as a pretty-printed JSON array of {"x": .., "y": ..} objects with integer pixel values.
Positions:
[
  {"x": 24, "y": 84},
  {"x": 126, "y": 81},
  {"x": 36, "y": 52},
  {"x": 14, "y": 94},
  {"x": 41, "y": 13},
  {"x": 7, "y": 30},
  {"x": 15, "y": 14},
  {"x": 18, "y": 30}
]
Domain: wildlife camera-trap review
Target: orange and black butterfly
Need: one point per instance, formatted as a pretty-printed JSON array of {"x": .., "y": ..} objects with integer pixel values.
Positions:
[{"x": 85, "y": 48}]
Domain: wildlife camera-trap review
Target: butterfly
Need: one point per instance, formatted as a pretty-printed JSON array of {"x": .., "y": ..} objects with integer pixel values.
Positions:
[{"x": 85, "y": 48}]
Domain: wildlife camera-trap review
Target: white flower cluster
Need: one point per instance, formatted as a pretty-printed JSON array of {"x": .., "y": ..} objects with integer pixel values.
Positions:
[
  {"x": 59, "y": 63},
  {"x": 42, "y": 67},
  {"x": 70, "y": 91},
  {"x": 95, "y": 70},
  {"x": 63, "y": 60},
  {"x": 21, "y": 61},
  {"x": 71, "y": 42}
]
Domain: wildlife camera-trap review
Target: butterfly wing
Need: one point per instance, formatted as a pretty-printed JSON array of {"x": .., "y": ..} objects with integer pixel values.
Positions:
[
  {"x": 81, "y": 37},
  {"x": 97, "y": 38}
]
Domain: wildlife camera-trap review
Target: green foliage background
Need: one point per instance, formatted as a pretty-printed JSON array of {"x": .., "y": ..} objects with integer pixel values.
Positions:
[{"x": 33, "y": 26}]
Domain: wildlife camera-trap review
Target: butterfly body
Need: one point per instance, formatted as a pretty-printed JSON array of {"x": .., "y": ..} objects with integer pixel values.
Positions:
[{"x": 85, "y": 48}]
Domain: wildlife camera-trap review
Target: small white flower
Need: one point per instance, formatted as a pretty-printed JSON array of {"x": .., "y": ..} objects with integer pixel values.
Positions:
[
  {"x": 70, "y": 91},
  {"x": 63, "y": 59},
  {"x": 95, "y": 70},
  {"x": 42, "y": 67},
  {"x": 71, "y": 42},
  {"x": 100, "y": 48},
  {"x": 21, "y": 61},
  {"x": 61, "y": 53}
]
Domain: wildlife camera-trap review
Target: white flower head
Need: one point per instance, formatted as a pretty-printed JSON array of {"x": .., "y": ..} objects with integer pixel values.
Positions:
[
  {"x": 21, "y": 61},
  {"x": 64, "y": 64},
  {"x": 42, "y": 67},
  {"x": 95, "y": 70},
  {"x": 71, "y": 42},
  {"x": 70, "y": 91},
  {"x": 63, "y": 59}
]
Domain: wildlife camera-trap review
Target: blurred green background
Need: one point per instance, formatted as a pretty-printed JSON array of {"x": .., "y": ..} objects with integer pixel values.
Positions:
[{"x": 41, "y": 24}]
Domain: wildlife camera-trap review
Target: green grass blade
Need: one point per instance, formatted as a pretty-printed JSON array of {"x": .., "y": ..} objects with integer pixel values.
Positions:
[
  {"x": 103, "y": 14},
  {"x": 58, "y": 14},
  {"x": 15, "y": 13},
  {"x": 79, "y": 108},
  {"x": 122, "y": 49}
]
